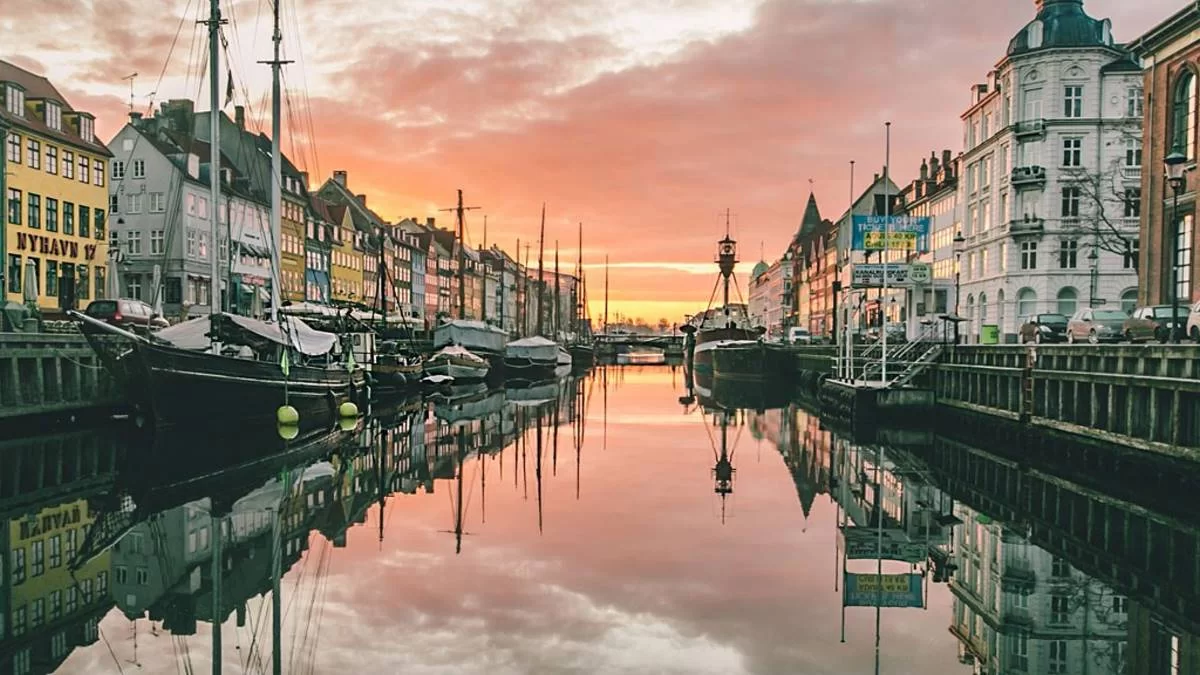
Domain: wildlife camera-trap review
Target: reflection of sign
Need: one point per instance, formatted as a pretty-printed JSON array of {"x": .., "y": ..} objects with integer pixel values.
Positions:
[
  {"x": 920, "y": 273},
  {"x": 871, "y": 275},
  {"x": 887, "y": 590},
  {"x": 863, "y": 543},
  {"x": 895, "y": 233},
  {"x": 50, "y": 520}
]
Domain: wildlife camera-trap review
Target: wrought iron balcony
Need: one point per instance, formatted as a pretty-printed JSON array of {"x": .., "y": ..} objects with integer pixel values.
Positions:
[
  {"x": 1029, "y": 128},
  {"x": 1029, "y": 175}
]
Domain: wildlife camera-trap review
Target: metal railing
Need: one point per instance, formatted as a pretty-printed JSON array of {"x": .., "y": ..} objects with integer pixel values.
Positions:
[{"x": 902, "y": 356}]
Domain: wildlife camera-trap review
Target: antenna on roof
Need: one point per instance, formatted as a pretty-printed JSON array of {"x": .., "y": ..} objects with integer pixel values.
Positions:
[{"x": 131, "y": 78}]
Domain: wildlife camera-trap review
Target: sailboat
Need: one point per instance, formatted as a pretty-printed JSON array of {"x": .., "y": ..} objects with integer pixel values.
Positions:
[
  {"x": 581, "y": 347},
  {"x": 535, "y": 358},
  {"x": 468, "y": 349},
  {"x": 223, "y": 366},
  {"x": 726, "y": 325}
]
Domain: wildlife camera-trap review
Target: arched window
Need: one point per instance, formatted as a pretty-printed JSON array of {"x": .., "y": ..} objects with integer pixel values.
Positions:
[
  {"x": 1026, "y": 303},
  {"x": 1129, "y": 300},
  {"x": 983, "y": 314},
  {"x": 1183, "y": 115},
  {"x": 1068, "y": 300},
  {"x": 1000, "y": 308}
]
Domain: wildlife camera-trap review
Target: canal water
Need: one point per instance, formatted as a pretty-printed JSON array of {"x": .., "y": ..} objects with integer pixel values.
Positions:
[{"x": 618, "y": 523}]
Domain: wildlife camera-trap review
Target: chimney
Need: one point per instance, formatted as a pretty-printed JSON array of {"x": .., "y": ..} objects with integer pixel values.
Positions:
[
  {"x": 339, "y": 177},
  {"x": 934, "y": 165},
  {"x": 924, "y": 170},
  {"x": 946, "y": 159},
  {"x": 429, "y": 222},
  {"x": 239, "y": 116},
  {"x": 362, "y": 199}
]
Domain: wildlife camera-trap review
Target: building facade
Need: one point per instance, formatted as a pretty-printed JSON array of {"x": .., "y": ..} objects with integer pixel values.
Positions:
[
  {"x": 318, "y": 249},
  {"x": 345, "y": 263},
  {"x": 55, "y": 226},
  {"x": 769, "y": 299},
  {"x": 1052, "y": 175},
  {"x": 934, "y": 195},
  {"x": 1170, "y": 54}
]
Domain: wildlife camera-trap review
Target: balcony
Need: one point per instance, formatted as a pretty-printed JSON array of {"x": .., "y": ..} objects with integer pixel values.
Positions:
[
  {"x": 1131, "y": 174},
  {"x": 1017, "y": 617},
  {"x": 1028, "y": 176},
  {"x": 1029, "y": 128},
  {"x": 1026, "y": 225}
]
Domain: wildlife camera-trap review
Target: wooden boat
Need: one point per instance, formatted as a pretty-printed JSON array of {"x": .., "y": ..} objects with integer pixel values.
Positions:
[
  {"x": 173, "y": 377},
  {"x": 751, "y": 360},
  {"x": 459, "y": 363}
]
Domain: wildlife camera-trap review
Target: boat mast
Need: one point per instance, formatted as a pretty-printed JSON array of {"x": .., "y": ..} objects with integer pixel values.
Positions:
[
  {"x": 557, "y": 296},
  {"x": 483, "y": 274},
  {"x": 606, "y": 294},
  {"x": 727, "y": 259},
  {"x": 462, "y": 261},
  {"x": 576, "y": 306},
  {"x": 214, "y": 166},
  {"x": 276, "y": 168},
  {"x": 541, "y": 279}
]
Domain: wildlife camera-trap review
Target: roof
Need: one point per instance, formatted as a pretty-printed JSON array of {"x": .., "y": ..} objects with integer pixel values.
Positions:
[
  {"x": 760, "y": 269},
  {"x": 321, "y": 208},
  {"x": 1126, "y": 64},
  {"x": 38, "y": 87},
  {"x": 1178, "y": 25},
  {"x": 812, "y": 217},
  {"x": 1063, "y": 24}
]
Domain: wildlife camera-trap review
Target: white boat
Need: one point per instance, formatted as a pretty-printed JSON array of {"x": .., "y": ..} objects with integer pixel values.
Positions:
[
  {"x": 563, "y": 367},
  {"x": 531, "y": 359},
  {"x": 457, "y": 362},
  {"x": 482, "y": 339}
]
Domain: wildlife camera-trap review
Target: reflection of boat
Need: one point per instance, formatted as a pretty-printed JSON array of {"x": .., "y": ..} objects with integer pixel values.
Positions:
[
  {"x": 172, "y": 375},
  {"x": 641, "y": 358},
  {"x": 472, "y": 402},
  {"x": 563, "y": 362},
  {"x": 459, "y": 363},
  {"x": 722, "y": 326},
  {"x": 532, "y": 396}
]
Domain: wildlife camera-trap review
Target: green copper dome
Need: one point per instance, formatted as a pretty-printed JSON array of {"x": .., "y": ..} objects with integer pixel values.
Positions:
[
  {"x": 759, "y": 270},
  {"x": 1061, "y": 24}
]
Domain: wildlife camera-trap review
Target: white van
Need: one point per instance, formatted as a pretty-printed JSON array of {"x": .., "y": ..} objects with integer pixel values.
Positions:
[{"x": 799, "y": 336}]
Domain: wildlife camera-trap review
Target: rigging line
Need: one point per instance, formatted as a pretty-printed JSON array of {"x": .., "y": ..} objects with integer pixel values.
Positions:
[
  {"x": 321, "y": 563},
  {"x": 711, "y": 297},
  {"x": 311, "y": 645},
  {"x": 307, "y": 102}
]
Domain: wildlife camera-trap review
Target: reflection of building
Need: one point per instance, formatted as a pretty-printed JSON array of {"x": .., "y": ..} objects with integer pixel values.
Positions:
[
  {"x": 1017, "y": 608},
  {"x": 1157, "y": 647}
]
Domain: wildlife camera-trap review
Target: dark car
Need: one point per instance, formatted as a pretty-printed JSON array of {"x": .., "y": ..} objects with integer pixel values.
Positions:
[
  {"x": 132, "y": 315},
  {"x": 1154, "y": 323},
  {"x": 1045, "y": 328},
  {"x": 1096, "y": 325}
]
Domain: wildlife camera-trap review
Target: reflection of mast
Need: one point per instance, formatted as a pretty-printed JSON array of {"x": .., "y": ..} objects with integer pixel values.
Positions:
[
  {"x": 383, "y": 442},
  {"x": 604, "y": 376},
  {"x": 554, "y": 425},
  {"x": 538, "y": 470},
  {"x": 215, "y": 526},
  {"x": 483, "y": 487},
  {"x": 723, "y": 471},
  {"x": 458, "y": 509}
]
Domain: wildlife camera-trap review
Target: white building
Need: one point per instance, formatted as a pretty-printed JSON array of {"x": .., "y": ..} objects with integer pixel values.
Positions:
[
  {"x": 769, "y": 301},
  {"x": 933, "y": 195},
  {"x": 1051, "y": 195}
]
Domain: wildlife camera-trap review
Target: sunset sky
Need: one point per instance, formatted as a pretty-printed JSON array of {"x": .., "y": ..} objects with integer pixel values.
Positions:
[{"x": 642, "y": 120}]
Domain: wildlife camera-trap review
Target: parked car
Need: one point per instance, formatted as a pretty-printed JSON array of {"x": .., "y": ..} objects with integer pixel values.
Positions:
[
  {"x": 1047, "y": 328},
  {"x": 799, "y": 336},
  {"x": 1096, "y": 325},
  {"x": 130, "y": 314},
  {"x": 1154, "y": 323},
  {"x": 1193, "y": 323}
]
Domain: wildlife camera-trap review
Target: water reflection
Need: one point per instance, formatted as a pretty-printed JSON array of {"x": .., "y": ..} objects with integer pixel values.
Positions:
[{"x": 440, "y": 536}]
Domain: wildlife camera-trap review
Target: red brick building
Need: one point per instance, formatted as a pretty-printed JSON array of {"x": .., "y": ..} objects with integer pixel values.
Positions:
[{"x": 1170, "y": 55}]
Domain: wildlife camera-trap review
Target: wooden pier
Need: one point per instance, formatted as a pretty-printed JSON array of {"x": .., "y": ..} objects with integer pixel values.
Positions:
[{"x": 51, "y": 376}]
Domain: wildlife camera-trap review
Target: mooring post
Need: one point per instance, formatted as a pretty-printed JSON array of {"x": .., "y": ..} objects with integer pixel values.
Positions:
[{"x": 1026, "y": 413}]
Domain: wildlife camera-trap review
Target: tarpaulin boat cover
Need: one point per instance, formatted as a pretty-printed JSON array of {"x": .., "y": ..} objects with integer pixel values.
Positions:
[
  {"x": 454, "y": 351},
  {"x": 537, "y": 348},
  {"x": 474, "y": 335},
  {"x": 194, "y": 334}
]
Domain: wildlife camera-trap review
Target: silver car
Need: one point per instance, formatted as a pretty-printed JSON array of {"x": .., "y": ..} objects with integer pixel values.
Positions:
[{"x": 1096, "y": 325}]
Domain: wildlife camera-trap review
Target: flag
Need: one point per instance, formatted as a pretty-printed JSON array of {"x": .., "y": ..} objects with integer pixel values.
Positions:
[
  {"x": 229, "y": 89},
  {"x": 350, "y": 360},
  {"x": 283, "y": 363}
]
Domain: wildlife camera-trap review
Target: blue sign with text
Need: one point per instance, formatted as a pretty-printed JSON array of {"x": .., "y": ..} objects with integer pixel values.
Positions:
[
  {"x": 887, "y": 590},
  {"x": 892, "y": 233}
]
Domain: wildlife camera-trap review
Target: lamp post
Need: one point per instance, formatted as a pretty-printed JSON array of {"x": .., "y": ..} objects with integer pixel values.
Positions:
[
  {"x": 1175, "y": 164},
  {"x": 1094, "y": 262},
  {"x": 959, "y": 243}
]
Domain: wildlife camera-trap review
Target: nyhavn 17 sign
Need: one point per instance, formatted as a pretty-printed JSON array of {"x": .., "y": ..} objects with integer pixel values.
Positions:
[{"x": 890, "y": 233}]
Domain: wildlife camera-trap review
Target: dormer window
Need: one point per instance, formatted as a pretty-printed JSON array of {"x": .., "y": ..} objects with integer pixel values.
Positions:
[
  {"x": 54, "y": 116},
  {"x": 14, "y": 100},
  {"x": 1035, "y": 34},
  {"x": 87, "y": 129}
]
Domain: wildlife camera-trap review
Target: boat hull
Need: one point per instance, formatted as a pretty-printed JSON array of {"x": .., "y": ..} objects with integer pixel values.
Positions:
[
  {"x": 461, "y": 372},
  {"x": 710, "y": 339},
  {"x": 752, "y": 361}
]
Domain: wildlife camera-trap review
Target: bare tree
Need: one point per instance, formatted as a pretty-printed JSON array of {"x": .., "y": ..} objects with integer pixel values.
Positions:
[{"x": 1106, "y": 204}]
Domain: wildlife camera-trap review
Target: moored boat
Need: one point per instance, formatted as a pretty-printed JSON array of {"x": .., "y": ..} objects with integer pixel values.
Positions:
[
  {"x": 728, "y": 323},
  {"x": 563, "y": 362},
  {"x": 480, "y": 338},
  {"x": 459, "y": 363},
  {"x": 750, "y": 360},
  {"x": 531, "y": 359}
]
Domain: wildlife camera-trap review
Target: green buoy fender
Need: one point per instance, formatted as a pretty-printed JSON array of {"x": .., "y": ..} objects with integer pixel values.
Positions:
[
  {"x": 288, "y": 431},
  {"x": 287, "y": 415},
  {"x": 348, "y": 409}
]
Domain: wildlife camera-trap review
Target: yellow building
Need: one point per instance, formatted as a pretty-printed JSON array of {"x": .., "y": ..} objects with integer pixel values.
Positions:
[
  {"x": 346, "y": 262},
  {"x": 55, "y": 220}
]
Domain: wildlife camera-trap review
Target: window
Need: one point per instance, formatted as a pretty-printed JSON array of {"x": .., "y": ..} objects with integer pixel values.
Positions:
[
  {"x": 1068, "y": 254},
  {"x": 1133, "y": 203},
  {"x": 122, "y": 574},
  {"x": 101, "y": 282},
  {"x": 133, "y": 242},
  {"x": 98, "y": 214},
  {"x": 14, "y": 206},
  {"x": 1133, "y": 152},
  {"x": 1020, "y": 651},
  {"x": 87, "y": 129},
  {"x": 52, "y": 291},
  {"x": 1071, "y": 196},
  {"x": 1132, "y": 251},
  {"x": 84, "y": 174},
  {"x": 1183, "y": 115},
  {"x": 118, "y": 169},
  {"x": 37, "y": 559},
  {"x": 72, "y": 598},
  {"x": 139, "y": 168},
  {"x": 85, "y": 591},
  {"x": 18, "y": 566},
  {"x": 158, "y": 202},
  {"x": 143, "y": 576},
  {"x": 1072, "y": 152},
  {"x": 85, "y": 221},
  {"x": 985, "y": 214},
  {"x": 15, "y": 101},
  {"x": 68, "y": 218},
  {"x": 173, "y": 291},
  {"x": 34, "y": 154},
  {"x": 1003, "y": 257},
  {"x": 1026, "y": 302},
  {"x": 1068, "y": 302},
  {"x": 204, "y": 246},
  {"x": 55, "y": 604},
  {"x": 53, "y": 116},
  {"x": 18, "y": 627},
  {"x": 37, "y": 613},
  {"x": 1133, "y": 102},
  {"x": 51, "y": 159},
  {"x": 55, "y": 550},
  {"x": 133, "y": 286},
  {"x": 68, "y": 164},
  {"x": 98, "y": 172},
  {"x": 114, "y": 203},
  {"x": 71, "y": 543},
  {"x": 1058, "y": 657},
  {"x": 1183, "y": 258},
  {"x": 157, "y": 242},
  {"x": 82, "y": 290},
  {"x": 191, "y": 243},
  {"x": 14, "y": 148},
  {"x": 35, "y": 211},
  {"x": 51, "y": 214},
  {"x": 135, "y": 203},
  {"x": 1060, "y": 608},
  {"x": 1029, "y": 255},
  {"x": 1073, "y": 101}
]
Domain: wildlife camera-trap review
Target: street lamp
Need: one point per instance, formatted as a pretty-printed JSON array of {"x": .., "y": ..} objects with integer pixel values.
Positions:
[
  {"x": 959, "y": 243},
  {"x": 1175, "y": 164},
  {"x": 1094, "y": 261}
]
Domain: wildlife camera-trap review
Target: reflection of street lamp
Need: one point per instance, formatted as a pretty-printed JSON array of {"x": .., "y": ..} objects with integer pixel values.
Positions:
[{"x": 1175, "y": 167}]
